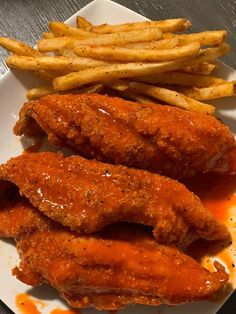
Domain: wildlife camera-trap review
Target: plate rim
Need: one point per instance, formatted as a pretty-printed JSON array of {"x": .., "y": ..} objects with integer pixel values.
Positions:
[{"x": 7, "y": 75}]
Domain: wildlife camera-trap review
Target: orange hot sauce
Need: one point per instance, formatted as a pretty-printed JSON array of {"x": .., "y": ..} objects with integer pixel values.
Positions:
[
  {"x": 27, "y": 305},
  {"x": 59, "y": 311},
  {"x": 216, "y": 193}
]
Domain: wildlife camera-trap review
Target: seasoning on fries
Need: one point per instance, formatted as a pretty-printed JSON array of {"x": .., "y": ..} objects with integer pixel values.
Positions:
[
  {"x": 170, "y": 25},
  {"x": 148, "y": 61},
  {"x": 226, "y": 89},
  {"x": 134, "y": 55}
]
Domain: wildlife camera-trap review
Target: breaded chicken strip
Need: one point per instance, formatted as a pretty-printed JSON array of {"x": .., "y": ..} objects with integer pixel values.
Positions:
[
  {"x": 88, "y": 195},
  {"x": 120, "y": 265},
  {"x": 107, "y": 272},
  {"x": 162, "y": 139}
]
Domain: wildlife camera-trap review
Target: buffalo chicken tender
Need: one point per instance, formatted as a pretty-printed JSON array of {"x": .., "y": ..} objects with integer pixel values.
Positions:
[
  {"x": 89, "y": 195},
  {"x": 162, "y": 139}
]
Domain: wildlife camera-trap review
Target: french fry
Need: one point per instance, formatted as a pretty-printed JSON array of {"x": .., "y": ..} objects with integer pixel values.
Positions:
[
  {"x": 203, "y": 68},
  {"x": 52, "y": 63},
  {"x": 93, "y": 88},
  {"x": 119, "y": 39},
  {"x": 67, "y": 53},
  {"x": 60, "y": 29},
  {"x": 170, "y": 25},
  {"x": 123, "y": 87},
  {"x": 55, "y": 44},
  {"x": 18, "y": 47},
  {"x": 116, "y": 71},
  {"x": 208, "y": 55},
  {"x": 119, "y": 85},
  {"x": 138, "y": 97},
  {"x": 208, "y": 38},
  {"x": 23, "y": 50},
  {"x": 40, "y": 91},
  {"x": 171, "y": 97},
  {"x": 182, "y": 79},
  {"x": 47, "y": 35},
  {"x": 47, "y": 75},
  {"x": 109, "y": 53},
  {"x": 133, "y": 55},
  {"x": 83, "y": 23},
  {"x": 69, "y": 42},
  {"x": 227, "y": 89},
  {"x": 157, "y": 44}
]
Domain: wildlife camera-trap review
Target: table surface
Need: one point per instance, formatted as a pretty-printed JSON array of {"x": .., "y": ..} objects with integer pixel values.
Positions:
[{"x": 26, "y": 19}]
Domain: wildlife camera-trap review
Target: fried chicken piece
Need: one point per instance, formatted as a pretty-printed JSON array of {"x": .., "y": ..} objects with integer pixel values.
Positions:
[
  {"x": 108, "y": 273},
  {"x": 17, "y": 216},
  {"x": 88, "y": 195},
  {"x": 162, "y": 139},
  {"x": 91, "y": 271}
]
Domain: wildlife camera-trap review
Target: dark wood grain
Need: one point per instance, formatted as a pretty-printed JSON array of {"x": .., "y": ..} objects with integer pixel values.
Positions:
[{"x": 26, "y": 19}]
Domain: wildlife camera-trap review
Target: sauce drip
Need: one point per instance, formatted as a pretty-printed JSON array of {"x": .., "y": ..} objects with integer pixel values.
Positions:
[
  {"x": 216, "y": 193},
  {"x": 59, "y": 311},
  {"x": 27, "y": 305}
]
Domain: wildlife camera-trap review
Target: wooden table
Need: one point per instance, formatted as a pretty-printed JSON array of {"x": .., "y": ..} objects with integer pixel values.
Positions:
[{"x": 26, "y": 19}]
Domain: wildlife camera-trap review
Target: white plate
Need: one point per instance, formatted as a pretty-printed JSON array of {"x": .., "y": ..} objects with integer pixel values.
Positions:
[{"x": 13, "y": 86}]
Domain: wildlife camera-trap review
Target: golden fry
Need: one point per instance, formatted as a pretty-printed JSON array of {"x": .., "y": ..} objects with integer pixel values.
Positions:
[
  {"x": 227, "y": 89},
  {"x": 93, "y": 88},
  {"x": 138, "y": 97},
  {"x": 182, "y": 79},
  {"x": 156, "y": 44},
  {"x": 83, "y": 23},
  {"x": 170, "y": 25},
  {"x": 111, "y": 72},
  {"x": 47, "y": 35},
  {"x": 119, "y": 85},
  {"x": 67, "y": 53},
  {"x": 208, "y": 38},
  {"x": 133, "y": 55},
  {"x": 210, "y": 54},
  {"x": 40, "y": 91},
  {"x": 55, "y": 44},
  {"x": 18, "y": 47},
  {"x": 52, "y": 63},
  {"x": 171, "y": 97},
  {"x": 60, "y": 29},
  {"x": 116, "y": 71},
  {"x": 70, "y": 42},
  {"x": 47, "y": 75},
  {"x": 117, "y": 39},
  {"x": 203, "y": 68}
]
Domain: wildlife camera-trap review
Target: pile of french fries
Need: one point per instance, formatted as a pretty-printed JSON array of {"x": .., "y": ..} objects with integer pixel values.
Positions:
[{"x": 149, "y": 62}]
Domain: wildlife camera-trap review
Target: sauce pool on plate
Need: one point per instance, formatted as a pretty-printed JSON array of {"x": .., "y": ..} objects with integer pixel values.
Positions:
[
  {"x": 60, "y": 311},
  {"x": 27, "y": 305},
  {"x": 216, "y": 193}
]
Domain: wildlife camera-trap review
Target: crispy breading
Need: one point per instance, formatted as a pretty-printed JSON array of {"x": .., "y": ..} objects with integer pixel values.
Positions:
[
  {"x": 163, "y": 139},
  {"x": 17, "y": 215},
  {"x": 108, "y": 273},
  {"x": 119, "y": 265},
  {"x": 89, "y": 195}
]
